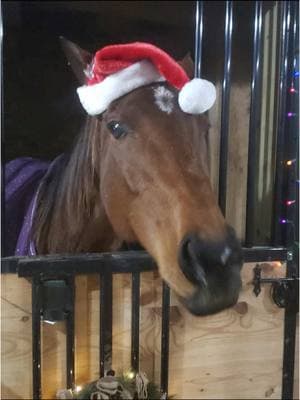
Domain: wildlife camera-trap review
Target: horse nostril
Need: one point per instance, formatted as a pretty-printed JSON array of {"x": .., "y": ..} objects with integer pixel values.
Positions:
[
  {"x": 201, "y": 260},
  {"x": 190, "y": 263}
]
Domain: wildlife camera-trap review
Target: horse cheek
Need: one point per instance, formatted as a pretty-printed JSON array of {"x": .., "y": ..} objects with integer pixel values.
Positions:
[{"x": 115, "y": 199}]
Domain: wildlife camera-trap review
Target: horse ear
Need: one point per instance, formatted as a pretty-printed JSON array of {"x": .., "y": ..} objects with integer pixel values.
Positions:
[
  {"x": 77, "y": 58},
  {"x": 188, "y": 65}
]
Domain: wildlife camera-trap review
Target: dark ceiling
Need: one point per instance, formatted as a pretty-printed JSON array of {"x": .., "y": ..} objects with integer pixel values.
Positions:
[{"x": 40, "y": 101}]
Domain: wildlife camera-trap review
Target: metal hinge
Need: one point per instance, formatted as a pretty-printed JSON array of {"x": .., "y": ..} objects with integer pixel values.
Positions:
[{"x": 284, "y": 291}]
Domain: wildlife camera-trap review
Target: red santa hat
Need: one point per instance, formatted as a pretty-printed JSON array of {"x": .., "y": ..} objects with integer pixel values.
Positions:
[{"x": 118, "y": 69}]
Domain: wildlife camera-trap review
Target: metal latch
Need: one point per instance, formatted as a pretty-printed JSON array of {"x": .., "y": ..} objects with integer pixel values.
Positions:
[{"x": 284, "y": 291}]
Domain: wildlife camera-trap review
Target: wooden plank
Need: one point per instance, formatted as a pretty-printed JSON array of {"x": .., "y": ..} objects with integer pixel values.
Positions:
[
  {"x": 53, "y": 359},
  {"x": 221, "y": 356},
  {"x": 237, "y": 152},
  {"x": 267, "y": 136},
  {"x": 16, "y": 350},
  {"x": 218, "y": 356},
  {"x": 238, "y": 158},
  {"x": 121, "y": 323},
  {"x": 87, "y": 324},
  {"x": 150, "y": 325}
]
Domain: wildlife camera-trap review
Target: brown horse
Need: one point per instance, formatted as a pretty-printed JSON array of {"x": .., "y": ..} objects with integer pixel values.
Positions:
[{"x": 138, "y": 173}]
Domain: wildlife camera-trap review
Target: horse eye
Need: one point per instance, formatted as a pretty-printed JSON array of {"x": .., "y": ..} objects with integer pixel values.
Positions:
[{"x": 117, "y": 129}]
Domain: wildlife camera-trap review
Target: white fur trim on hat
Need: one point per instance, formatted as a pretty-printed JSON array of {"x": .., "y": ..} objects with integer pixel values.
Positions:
[
  {"x": 96, "y": 98},
  {"x": 197, "y": 96}
]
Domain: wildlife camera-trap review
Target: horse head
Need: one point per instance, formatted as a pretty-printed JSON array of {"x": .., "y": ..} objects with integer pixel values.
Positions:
[{"x": 152, "y": 162}]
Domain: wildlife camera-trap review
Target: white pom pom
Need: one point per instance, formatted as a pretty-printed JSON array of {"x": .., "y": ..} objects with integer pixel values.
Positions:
[{"x": 197, "y": 96}]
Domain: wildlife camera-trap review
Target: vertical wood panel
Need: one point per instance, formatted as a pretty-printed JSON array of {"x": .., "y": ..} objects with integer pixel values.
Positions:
[
  {"x": 86, "y": 329},
  {"x": 16, "y": 349}
]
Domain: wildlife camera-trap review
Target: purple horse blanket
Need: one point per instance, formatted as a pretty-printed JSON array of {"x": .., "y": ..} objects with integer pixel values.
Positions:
[{"x": 22, "y": 178}]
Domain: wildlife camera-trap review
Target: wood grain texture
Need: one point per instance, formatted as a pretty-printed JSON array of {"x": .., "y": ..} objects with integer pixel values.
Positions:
[
  {"x": 87, "y": 325},
  {"x": 237, "y": 152},
  {"x": 235, "y": 354},
  {"x": 16, "y": 370},
  {"x": 53, "y": 358}
]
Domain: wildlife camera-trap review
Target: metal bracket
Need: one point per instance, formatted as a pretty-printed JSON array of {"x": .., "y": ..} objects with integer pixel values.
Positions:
[
  {"x": 56, "y": 300},
  {"x": 284, "y": 291}
]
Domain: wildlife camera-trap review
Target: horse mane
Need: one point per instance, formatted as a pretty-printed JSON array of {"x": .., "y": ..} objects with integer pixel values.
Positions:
[{"x": 69, "y": 193}]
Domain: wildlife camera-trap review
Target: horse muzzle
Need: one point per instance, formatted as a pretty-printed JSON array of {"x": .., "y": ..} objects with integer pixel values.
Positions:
[{"x": 214, "y": 269}]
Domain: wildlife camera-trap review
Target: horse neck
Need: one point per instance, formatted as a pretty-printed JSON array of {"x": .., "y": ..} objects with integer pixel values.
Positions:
[{"x": 71, "y": 216}]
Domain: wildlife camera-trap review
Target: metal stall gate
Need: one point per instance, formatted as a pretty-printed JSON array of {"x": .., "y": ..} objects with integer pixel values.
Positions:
[{"x": 52, "y": 277}]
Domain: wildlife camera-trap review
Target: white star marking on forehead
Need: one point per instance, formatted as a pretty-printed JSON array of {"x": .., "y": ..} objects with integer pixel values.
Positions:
[{"x": 164, "y": 99}]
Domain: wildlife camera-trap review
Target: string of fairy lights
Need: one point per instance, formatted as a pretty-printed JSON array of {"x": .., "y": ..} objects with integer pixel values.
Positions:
[{"x": 292, "y": 164}]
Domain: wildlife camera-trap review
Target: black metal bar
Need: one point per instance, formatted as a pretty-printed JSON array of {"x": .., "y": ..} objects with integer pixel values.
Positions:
[
  {"x": 135, "y": 321},
  {"x": 260, "y": 254},
  {"x": 9, "y": 265},
  {"x": 164, "y": 372},
  {"x": 290, "y": 322},
  {"x": 254, "y": 124},
  {"x": 118, "y": 262},
  {"x": 70, "y": 326},
  {"x": 225, "y": 108},
  {"x": 123, "y": 262},
  {"x": 198, "y": 37},
  {"x": 36, "y": 338},
  {"x": 290, "y": 325},
  {"x": 105, "y": 322},
  {"x": 284, "y": 25}
]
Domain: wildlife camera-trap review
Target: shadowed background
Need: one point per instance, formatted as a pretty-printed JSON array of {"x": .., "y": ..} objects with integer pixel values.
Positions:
[{"x": 41, "y": 111}]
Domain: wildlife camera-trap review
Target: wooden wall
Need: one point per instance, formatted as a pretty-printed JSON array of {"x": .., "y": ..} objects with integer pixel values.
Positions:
[
  {"x": 236, "y": 354},
  {"x": 238, "y": 139}
]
